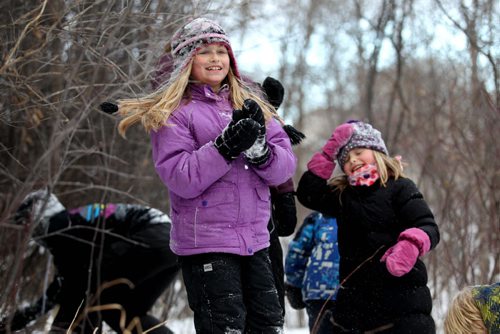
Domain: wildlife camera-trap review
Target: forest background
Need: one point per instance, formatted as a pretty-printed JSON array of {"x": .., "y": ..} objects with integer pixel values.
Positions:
[{"x": 425, "y": 72}]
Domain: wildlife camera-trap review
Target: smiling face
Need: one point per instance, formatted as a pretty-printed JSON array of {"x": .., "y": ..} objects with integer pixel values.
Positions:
[
  {"x": 357, "y": 158},
  {"x": 211, "y": 65}
]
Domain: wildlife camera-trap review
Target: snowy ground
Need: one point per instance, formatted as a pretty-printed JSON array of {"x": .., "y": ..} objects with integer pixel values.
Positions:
[
  {"x": 295, "y": 322},
  {"x": 186, "y": 327}
]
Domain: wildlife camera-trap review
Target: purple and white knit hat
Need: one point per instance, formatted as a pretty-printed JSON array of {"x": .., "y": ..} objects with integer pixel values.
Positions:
[
  {"x": 199, "y": 32},
  {"x": 363, "y": 135}
]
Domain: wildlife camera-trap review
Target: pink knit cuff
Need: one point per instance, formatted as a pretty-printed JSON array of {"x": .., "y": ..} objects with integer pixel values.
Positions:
[{"x": 418, "y": 237}]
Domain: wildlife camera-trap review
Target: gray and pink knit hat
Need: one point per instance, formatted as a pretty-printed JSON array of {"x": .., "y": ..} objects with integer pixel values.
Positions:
[
  {"x": 363, "y": 135},
  {"x": 199, "y": 32}
]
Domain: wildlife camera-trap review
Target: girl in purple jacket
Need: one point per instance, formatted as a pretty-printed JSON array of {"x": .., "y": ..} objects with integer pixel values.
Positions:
[{"x": 218, "y": 148}]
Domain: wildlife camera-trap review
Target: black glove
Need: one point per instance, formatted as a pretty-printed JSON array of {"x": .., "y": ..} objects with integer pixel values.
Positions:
[
  {"x": 19, "y": 321},
  {"x": 284, "y": 213},
  {"x": 259, "y": 153},
  {"x": 108, "y": 107},
  {"x": 294, "y": 296},
  {"x": 237, "y": 137},
  {"x": 274, "y": 91},
  {"x": 251, "y": 109}
]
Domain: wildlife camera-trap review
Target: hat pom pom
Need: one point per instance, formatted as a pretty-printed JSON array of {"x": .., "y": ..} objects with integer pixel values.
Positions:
[
  {"x": 295, "y": 135},
  {"x": 108, "y": 107}
]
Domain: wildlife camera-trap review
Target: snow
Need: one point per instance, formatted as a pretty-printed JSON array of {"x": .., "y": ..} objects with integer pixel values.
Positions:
[{"x": 186, "y": 327}]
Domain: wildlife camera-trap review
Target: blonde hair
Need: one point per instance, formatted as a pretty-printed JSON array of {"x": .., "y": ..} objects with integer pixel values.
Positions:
[
  {"x": 463, "y": 316},
  {"x": 153, "y": 110},
  {"x": 387, "y": 167}
]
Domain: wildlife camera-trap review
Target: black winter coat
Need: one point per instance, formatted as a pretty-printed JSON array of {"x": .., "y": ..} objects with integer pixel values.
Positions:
[
  {"x": 104, "y": 242},
  {"x": 370, "y": 220}
]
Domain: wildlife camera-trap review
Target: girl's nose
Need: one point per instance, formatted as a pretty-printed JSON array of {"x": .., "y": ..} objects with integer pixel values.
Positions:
[{"x": 214, "y": 57}]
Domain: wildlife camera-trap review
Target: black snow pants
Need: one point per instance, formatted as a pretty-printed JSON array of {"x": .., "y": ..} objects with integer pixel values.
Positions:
[{"x": 232, "y": 294}]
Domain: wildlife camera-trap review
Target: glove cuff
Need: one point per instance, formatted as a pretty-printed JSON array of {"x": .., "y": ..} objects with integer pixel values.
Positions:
[
  {"x": 259, "y": 153},
  {"x": 418, "y": 238},
  {"x": 261, "y": 159},
  {"x": 321, "y": 165},
  {"x": 294, "y": 296}
]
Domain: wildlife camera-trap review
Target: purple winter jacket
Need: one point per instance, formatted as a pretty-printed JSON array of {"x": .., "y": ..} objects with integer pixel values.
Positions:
[{"x": 216, "y": 205}]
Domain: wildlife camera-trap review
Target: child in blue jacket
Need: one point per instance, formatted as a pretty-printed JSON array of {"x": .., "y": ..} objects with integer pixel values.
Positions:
[{"x": 312, "y": 270}]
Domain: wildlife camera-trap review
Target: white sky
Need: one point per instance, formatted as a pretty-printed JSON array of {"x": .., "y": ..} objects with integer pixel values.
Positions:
[{"x": 259, "y": 51}]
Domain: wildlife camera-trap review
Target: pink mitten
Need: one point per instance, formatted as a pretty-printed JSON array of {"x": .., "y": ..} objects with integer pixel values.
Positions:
[
  {"x": 322, "y": 163},
  {"x": 340, "y": 137},
  {"x": 400, "y": 258}
]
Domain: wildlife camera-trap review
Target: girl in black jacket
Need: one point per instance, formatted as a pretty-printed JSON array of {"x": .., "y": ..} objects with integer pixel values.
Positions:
[{"x": 384, "y": 226}]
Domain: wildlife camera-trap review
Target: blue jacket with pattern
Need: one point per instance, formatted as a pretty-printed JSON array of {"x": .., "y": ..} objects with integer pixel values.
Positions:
[{"x": 312, "y": 262}]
